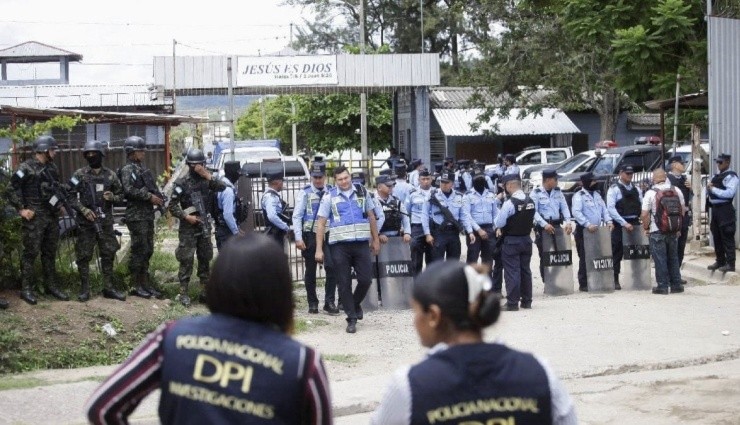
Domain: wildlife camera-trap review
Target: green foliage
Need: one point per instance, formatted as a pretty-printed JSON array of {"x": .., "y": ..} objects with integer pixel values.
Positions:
[
  {"x": 26, "y": 132},
  {"x": 324, "y": 123}
]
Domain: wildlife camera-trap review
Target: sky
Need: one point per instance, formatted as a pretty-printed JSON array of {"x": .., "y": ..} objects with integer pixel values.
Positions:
[{"x": 118, "y": 39}]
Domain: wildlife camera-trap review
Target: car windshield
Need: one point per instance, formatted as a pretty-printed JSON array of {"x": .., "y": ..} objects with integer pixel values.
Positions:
[
  {"x": 606, "y": 164},
  {"x": 242, "y": 156},
  {"x": 570, "y": 164}
]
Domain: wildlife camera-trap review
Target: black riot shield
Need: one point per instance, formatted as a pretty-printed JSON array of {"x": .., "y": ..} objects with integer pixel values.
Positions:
[
  {"x": 635, "y": 272},
  {"x": 599, "y": 260},
  {"x": 371, "y": 302},
  {"x": 557, "y": 259},
  {"x": 395, "y": 277},
  {"x": 245, "y": 193}
]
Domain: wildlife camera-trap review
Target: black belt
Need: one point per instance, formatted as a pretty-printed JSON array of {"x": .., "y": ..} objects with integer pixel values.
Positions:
[
  {"x": 416, "y": 225},
  {"x": 485, "y": 224}
]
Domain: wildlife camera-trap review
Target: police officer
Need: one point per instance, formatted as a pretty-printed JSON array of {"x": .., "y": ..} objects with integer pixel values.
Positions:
[
  {"x": 346, "y": 208},
  {"x": 480, "y": 206},
  {"x": 510, "y": 164},
  {"x": 273, "y": 209},
  {"x": 443, "y": 220},
  {"x": 395, "y": 219},
  {"x": 624, "y": 204},
  {"x": 228, "y": 207},
  {"x": 304, "y": 227},
  {"x": 721, "y": 191},
  {"x": 421, "y": 251},
  {"x": 35, "y": 192},
  {"x": 416, "y": 166},
  {"x": 402, "y": 188},
  {"x": 93, "y": 190},
  {"x": 678, "y": 179},
  {"x": 463, "y": 180},
  {"x": 139, "y": 216},
  {"x": 551, "y": 211},
  {"x": 514, "y": 223},
  {"x": 191, "y": 203},
  {"x": 589, "y": 211}
]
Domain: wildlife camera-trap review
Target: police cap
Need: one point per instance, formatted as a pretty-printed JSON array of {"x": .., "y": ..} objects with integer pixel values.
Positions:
[
  {"x": 448, "y": 176},
  {"x": 318, "y": 169},
  {"x": 723, "y": 157},
  {"x": 549, "y": 173},
  {"x": 424, "y": 173},
  {"x": 384, "y": 179},
  {"x": 274, "y": 176},
  {"x": 510, "y": 178},
  {"x": 628, "y": 169},
  {"x": 675, "y": 158},
  {"x": 510, "y": 157},
  {"x": 587, "y": 177}
]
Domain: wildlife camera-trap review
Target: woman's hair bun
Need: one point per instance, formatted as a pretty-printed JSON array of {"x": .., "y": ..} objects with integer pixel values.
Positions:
[{"x": 488, "y": 309}]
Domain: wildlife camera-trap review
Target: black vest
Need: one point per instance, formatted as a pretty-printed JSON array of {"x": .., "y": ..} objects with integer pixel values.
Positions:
[
  {"x": 476, "y": 383},
  {"x": 520, "y": 224},
  {"x": 680, "y": 184},
  {"x": 219, "y": 369},
  {"x": 630, "y": 204},
  {"x": 717, "y": 181},
  {"x": 392, "y": 211}
]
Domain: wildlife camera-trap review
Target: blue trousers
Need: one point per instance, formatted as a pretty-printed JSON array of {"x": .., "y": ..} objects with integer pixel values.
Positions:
[{"x": 516, "y": 255}]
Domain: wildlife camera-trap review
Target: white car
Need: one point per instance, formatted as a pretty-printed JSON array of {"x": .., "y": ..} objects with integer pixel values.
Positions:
[
  {"x": 538, "y": 156},
  {"x": 576, "y": 164},
  {"x": 247, "y": 154}
]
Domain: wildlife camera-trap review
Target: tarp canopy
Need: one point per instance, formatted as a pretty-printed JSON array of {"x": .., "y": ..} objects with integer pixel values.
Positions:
[{"x": 457, "y": 122}]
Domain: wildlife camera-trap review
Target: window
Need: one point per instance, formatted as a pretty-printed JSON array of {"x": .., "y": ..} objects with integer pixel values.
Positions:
[
  {"x": 76, "y": 137},
  {"x": 531, "y": 159},
  {"x": 119, "y": 133},
  {"x": 585, "y": 166},
  {"x": 606, "y": 164},
  {"x": 637, "y": 161},
  {"x": 555, "y": 156}
]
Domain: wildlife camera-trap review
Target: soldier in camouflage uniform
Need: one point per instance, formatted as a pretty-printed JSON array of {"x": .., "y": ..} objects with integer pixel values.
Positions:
[
  {"x": 32, "y": 193},
  {"x": 192, "y": 202},
  {"x": 93, "y": 190},
  {"x": 139, "y": 217}
]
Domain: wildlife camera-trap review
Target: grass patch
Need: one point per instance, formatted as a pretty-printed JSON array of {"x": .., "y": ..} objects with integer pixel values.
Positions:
[
  {"x": 349, "y": 359},
  {"x": 11, "y": 383},
  {"x": 305, "y": 325}
]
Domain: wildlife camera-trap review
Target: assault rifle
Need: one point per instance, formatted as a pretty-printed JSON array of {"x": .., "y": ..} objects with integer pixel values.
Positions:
[
  {"x": 58, "y": 191},
  {"x": 446, "y": 213},
  {"x": 200, "y": 208},
  {"x": 99, "y": 214},
  {"x": 151, "y": 186}
]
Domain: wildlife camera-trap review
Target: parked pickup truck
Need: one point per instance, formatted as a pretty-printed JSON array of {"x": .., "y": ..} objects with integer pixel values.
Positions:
[{"x": 536, "y": 155}]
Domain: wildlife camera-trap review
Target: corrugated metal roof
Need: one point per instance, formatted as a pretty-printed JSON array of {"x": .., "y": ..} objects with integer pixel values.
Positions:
[
  {"x": 644, "y": 119},
  {"x": 34, "y": 49},
  {"x": 460, "y": 97},
  {"x": 456, "y": 122},
  {"x": 69, "y": 96}
]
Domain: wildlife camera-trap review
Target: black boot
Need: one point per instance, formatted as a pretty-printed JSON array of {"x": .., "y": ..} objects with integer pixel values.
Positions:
[
  {"x": 714, "y": 266},
  {"x": 144, "y": 283},
  {"x": 27, "y": 296},
  {"x": 183, "y": 297},
  {"x": 4, "y": 304},
  {"x": 56, "y": 293},
  {"x": 331, "y": 309},
  {"x": 727, "y": 268},
  {"x": 84, "y": 294},
  {"x": 313, "y": 309},
  {"x": 113, "y": 294}
]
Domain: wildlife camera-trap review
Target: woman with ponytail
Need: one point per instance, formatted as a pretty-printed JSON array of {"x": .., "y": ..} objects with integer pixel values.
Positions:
[{"x": 463, "y": 379}]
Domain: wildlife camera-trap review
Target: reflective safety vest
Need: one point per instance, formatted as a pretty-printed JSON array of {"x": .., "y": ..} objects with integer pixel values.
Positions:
[
  {"x": 348, "y": 221},
  {"x": 479, "y": 384},
  {"x": 219, "y": 369},
  {"x": 313, "y": 200}
]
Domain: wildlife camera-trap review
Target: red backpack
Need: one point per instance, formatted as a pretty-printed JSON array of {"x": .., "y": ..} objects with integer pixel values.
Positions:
[{"x": 668, "y": 210}]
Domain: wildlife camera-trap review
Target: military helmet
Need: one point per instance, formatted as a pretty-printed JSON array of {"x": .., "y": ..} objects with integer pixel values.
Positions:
[
  {"x": 44, "y": 143},
  {"x": 94, "y": 146},
  {"x": 195, "y": 156},
  {"x": 134, "y": 143}
]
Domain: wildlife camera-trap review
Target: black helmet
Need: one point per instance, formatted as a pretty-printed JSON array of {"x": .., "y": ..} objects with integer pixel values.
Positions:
[
  {"x": 94, "y": 146},
  {"x": 44, "y": 143},
  {"x": 134, "y": 143},
  {"x": 195, "y": 156}
]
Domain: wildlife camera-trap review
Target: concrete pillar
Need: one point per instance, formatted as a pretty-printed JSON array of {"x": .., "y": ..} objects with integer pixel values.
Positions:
[
  {"x": 63, "y": 70},
  {"x": 3, "y": 71},
  {"x": 420, "y": 127}
]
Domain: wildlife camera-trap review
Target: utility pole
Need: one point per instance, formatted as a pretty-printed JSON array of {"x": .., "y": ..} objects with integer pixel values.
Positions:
[
  {"x": 264, "y": 126},
  {"x": 232, "y": 134},
  {"x": 421, "y": 27},
  {"x": 291, "y": 34},
  {"x": 294, "y": 129},
  {"x": 174, "y": 76},
  {"x": 363, "y": 101},
  {"x": 675, "y": 113}
]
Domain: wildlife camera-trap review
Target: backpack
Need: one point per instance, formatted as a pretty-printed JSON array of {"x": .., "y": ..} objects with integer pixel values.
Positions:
[{"x": 668, "y": 213}]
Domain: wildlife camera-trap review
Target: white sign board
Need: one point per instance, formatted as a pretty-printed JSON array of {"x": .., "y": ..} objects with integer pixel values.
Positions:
[{"x": 286, "y": 70}]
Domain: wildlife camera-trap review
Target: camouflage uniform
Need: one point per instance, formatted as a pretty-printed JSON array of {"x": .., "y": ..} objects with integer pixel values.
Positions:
[
  {"x": 31, "y": 188},
  {"x": 139, "y": 220},
  {"x": 85, "y": 184},
  {"x": 194, "y": 239}
]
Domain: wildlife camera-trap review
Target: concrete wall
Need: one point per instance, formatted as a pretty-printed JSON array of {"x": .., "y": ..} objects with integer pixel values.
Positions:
[{"x": 589, "y": 124}]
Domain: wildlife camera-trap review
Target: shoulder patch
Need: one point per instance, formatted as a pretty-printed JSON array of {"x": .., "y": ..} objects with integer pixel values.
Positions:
[
  {"x": 20, "y": 174},
  {"x": 178, "y": 190},
  {"x": 74, "y": 181}
]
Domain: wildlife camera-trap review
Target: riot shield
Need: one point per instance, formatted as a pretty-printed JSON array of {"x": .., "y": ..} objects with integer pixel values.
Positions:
[
  {"x": 557, "y": 259},
  {"x": 395, "y": 276},
  {"x": 599, "y": 260},
  {"x": 244, "y": 192},
  {"x": 635, "y": 272},
  {"x": 371, "y": 302}
]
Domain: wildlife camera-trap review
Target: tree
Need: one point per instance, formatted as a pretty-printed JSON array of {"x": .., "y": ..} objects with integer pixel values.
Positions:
[
  {"x": 583, "y": 54},
  {"x": 324, "y": 123}
]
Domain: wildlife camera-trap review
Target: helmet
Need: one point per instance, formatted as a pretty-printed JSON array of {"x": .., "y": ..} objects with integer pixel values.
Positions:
[
  {"x": 44, "y": 143},
  {"x": 94, "y": 146},
  {"x": 195, "y": 156},
  {"x": 134, "y": 143}
]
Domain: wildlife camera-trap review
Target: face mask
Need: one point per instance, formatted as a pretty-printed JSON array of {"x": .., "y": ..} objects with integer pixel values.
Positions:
[
  {"x": 192, "y": 171},
  {"x": 95, "y": 161},
  {"x": 479, "y": 185},
  {"x": 587, "y": 184}
]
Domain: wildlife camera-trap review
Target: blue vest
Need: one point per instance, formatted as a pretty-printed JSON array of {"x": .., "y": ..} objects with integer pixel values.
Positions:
[
  {"x": 313, "y": 200},
  {"x": 348, "y": 221},
  {"x": 480, "y": 383},
  {"x": 221, "y": 369}
]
